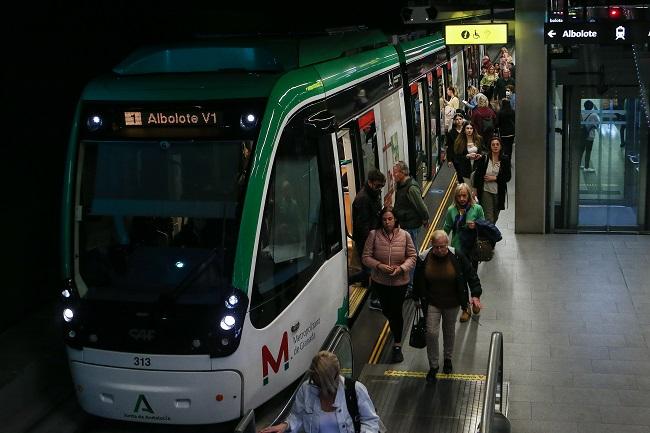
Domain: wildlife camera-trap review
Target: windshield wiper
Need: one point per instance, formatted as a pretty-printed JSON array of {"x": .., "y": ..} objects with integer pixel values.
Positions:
[{"x": 192, "y": 275}]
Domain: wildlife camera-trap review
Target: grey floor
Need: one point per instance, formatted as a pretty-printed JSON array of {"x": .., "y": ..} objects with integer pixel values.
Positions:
[
  {"x": 574, "y": 311},
  {"x": 575, "y": 314}
]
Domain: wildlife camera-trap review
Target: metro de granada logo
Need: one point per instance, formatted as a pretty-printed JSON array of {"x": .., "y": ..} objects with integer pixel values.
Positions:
[{"x": 275, "y": 362}]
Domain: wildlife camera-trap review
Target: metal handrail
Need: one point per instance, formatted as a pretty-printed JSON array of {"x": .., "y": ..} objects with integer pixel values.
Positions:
[
  {"x": 330, "y": 343},
  {"x": 493, "y": 381},
  {"x": 247, "y": 423}
]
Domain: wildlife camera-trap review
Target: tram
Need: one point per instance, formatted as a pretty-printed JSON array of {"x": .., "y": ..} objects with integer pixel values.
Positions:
[{"x": 206, "y": 212}]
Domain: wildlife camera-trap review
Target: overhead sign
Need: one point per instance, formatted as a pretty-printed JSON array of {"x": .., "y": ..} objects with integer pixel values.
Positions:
[
  {"x": 620, "y": 32},
  {"x": 476, "y": 34}
]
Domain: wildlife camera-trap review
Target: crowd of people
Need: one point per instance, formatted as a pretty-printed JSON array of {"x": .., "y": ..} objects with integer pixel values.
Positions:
[{"x": 442, "y": 280}]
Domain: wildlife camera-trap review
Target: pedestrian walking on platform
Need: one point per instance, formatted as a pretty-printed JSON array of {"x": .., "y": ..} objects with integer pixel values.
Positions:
[
  {"x": 491, "y": 180},
  {"x": 444, "y": 282},
  {"x": 390, "y": 254},
  {"x": 460, "y": 219}
]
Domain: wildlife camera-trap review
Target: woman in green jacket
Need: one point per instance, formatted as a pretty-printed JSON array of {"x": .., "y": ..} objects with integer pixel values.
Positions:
[{"x": 461, "y": 216}]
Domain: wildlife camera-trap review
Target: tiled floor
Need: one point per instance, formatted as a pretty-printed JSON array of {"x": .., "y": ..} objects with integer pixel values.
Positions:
[{"x": 575, "y": 315}]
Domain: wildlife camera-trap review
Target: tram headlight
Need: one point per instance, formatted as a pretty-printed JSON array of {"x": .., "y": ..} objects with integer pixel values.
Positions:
[
  {"x": 248, "y": 121},
  {"x": 232, "y": 301},
  {"x": 94, "y": 122},
  {"x": 68, "y": 315},
  {"x": 228, "y": 322}
]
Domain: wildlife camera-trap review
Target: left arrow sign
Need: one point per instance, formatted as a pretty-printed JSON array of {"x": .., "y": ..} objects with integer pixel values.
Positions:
[{"x": 551, "y": 33}]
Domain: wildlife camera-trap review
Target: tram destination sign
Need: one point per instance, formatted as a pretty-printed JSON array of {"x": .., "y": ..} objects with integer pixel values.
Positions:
[
  {"x": 172, "y": 118},
  {"x": 476, "y": 34},
  {"x": 621, "y": 32}
]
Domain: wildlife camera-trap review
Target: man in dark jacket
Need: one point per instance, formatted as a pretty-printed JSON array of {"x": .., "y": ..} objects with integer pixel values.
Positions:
[
  {"x": 365, "y": 217},
  {"x": 410, "y": 210},
  {"x": 445, "y": 281}
]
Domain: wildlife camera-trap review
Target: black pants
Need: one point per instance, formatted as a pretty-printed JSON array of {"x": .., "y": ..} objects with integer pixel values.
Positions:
[
  {"x": 589, "y": 144},
  {"x": 507, "y": 144},
  {"x": 392, "y": 298}
]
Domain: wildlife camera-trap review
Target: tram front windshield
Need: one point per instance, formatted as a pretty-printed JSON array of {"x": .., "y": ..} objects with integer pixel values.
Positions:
[{"x": 159, "y": 219}]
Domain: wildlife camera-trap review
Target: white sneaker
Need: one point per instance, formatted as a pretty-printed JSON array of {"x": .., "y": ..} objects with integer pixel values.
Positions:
[{"x": 590, "y": 170}]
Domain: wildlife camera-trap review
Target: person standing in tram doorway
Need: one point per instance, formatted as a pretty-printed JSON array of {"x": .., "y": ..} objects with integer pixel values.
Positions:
[
  {"x": 410, "y": 209},
  {"x": 590, "y": 123},
  {"x": 365, "y": 217}
]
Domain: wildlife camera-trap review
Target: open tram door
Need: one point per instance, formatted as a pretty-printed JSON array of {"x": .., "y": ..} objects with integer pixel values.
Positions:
[{"x": 358, "y": 154}]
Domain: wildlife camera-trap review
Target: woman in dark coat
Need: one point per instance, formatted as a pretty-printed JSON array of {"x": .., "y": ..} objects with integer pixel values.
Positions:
[
  {"x": 506, "y": 122},
  {"x": 491, "y": 180}
]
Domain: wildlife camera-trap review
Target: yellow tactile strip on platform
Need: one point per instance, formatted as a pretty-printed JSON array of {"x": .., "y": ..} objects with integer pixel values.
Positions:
[
  {"x": 357, "y": 294},
  {"x": 423, "y": 374}
]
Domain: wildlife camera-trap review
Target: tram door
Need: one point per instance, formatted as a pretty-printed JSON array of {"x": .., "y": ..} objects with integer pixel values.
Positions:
[
  {"x": 605, "y": 159},
  {"x": 357, "y": 148}
]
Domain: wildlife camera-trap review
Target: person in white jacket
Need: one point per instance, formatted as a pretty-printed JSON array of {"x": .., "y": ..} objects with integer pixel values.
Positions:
[{"x": 320, "y": 404}]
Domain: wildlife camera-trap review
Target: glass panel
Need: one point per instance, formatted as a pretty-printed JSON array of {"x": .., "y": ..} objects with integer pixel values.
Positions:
[
  {"x": 609, "y": 186},
  {"x": 343, "y": 351},
  {"x": 291, "y": 246},
  {"x": 419, "y": 129},
  {"x": 159, "y": 216}
]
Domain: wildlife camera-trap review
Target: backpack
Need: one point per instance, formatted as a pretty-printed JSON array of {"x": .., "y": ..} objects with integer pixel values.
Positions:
[
  {"x": 487, "y": 123},
  {"x": 352, "y": 403},
  {"x": 353, "y": 406}
]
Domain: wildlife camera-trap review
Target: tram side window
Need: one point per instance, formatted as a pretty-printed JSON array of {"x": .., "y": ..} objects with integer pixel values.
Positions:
[{"x": 296, "y": 238}]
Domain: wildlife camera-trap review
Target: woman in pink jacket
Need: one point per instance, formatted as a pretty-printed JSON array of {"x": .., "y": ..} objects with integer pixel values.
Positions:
[{"x": 390, "y": 254}]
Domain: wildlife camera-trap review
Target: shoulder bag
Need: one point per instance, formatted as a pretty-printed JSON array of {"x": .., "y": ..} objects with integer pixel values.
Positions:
[
  {"x": 483, "y": 250},
  {"x": 418, "y": 330}
]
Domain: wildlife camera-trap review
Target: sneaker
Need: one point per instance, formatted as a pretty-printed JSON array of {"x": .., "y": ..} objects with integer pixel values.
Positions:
[
  {"x": 464, "y": 317},
  {"x": 590, "y": 170},
  {"x": 431, "y": 375},
  {"x": 397, "y": 355},
  {"x": 447, "y": 368},
  {"x": 375, "y": 304}
]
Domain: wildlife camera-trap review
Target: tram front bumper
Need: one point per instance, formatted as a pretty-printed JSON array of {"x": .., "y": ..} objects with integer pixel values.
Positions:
[{"x": 150, "y": 396}]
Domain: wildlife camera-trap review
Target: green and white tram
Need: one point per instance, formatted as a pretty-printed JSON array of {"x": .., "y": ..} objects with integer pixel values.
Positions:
[{"x": 206, "y": 212}]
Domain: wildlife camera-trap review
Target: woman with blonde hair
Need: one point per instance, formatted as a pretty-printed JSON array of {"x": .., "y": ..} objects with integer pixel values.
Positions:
[
  {"x": 484, "y": 118},
  {"x": 460, "y": 218},
  {"x": 320, "y": 403},
  {"x": 472, "y": 94}
]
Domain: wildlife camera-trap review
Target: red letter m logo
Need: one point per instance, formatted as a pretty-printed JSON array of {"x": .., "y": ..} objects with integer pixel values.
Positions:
[{"x": 268, "y": 359}]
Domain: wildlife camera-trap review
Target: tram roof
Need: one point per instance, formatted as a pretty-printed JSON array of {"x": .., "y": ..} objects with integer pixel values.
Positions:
[{"x": 246, "y": 67}]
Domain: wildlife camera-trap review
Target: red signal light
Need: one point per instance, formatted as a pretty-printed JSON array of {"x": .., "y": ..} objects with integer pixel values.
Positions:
[{"x": 615, "y": 13}]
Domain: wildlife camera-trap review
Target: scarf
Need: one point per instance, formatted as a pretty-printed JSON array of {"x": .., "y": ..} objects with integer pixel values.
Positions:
[{"x": 459, "y": 221}]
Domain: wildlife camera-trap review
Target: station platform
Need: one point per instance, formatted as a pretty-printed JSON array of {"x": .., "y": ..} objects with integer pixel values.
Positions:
[{"x": 573, "y": 311}]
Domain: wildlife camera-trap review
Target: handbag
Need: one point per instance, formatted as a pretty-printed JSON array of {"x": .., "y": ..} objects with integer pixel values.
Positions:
[
  {"x": 483, "y": 250},
  {"x": 418, "y": 330}
]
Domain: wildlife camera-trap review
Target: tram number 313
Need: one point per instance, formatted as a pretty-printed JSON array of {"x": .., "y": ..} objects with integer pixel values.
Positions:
[{"x": 141, "y": 361}]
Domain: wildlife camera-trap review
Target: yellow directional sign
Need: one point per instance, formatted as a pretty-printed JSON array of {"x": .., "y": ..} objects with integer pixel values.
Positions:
[{"x": 476, "y": 34}]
